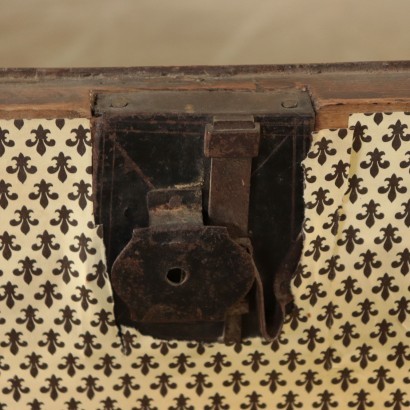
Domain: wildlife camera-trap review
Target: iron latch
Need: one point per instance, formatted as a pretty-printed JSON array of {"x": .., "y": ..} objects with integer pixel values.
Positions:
[{"x": 199, "y": 197}]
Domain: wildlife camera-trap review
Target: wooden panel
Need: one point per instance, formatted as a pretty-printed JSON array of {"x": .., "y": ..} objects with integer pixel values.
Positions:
[{"x": 336, "y": 90}]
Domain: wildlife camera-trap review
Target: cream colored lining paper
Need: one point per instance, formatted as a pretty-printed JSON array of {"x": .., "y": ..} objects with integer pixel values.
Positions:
[{"x": 346, "y": 345}]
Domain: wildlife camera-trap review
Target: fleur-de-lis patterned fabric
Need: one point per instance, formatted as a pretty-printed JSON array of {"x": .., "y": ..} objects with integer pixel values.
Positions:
[{"x": 346, "y": 343}]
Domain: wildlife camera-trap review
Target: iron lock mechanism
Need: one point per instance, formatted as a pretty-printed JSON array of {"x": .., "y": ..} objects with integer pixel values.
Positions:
[
  {"x": 179, "y": 270},
  {"x": 184, "y": 242}
]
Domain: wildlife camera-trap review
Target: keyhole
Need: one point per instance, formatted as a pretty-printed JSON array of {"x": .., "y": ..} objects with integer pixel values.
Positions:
[{"x": 176, "y": 276}]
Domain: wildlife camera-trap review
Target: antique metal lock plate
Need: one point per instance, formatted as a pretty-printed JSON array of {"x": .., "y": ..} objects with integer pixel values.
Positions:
[{"x": 200, "y": 196}]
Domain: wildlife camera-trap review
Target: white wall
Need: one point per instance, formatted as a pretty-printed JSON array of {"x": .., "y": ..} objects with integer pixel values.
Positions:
[{"x": 45, "y": 33}]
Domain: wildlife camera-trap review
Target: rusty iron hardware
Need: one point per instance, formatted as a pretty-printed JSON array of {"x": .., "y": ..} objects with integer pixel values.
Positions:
[{"x": 200, "y": 197}]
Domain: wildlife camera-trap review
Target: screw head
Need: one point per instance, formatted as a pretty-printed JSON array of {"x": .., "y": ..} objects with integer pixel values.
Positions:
[
  {"x": 289, "y": 104},
  {"x": 118, "y": 102}
]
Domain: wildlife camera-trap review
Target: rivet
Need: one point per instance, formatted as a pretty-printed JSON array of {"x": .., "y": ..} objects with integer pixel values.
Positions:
[
  {"x": 118, "y": 102},
  {"x": 289, "y": 104}
]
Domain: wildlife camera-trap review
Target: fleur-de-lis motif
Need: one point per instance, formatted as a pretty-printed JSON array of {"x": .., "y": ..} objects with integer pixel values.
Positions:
[
  {"x": 318, "y": 246},
  {"x": 292, "y": 360},
  {"x": 64, "y": 219},
  {"x": 3, "y": 141},
  {"x": 312, "y": 337},
  {"x": 313, "y": 293},
  {"x": 127, "y": 343},
  {"x": 46, "y": 244},
  {"x": 393, "y": 187},
  {"x": 22, "y": 167},
  {"x": 146, "y": 363},
  {"x": 347, "y": 333},
  {"x": 5, "y": 195},
  {"x": 73, "y": 404},
  {"x": 388, "y": 237},
  {"x": 62, "y": 167},
  {"x": 333, "y": 224},
  {"x": 300, "y": 274},
  {"x": 371, "y": 213},
  {"x": 381, "y": 378},
  {"x": 399, "y": 356},
  {"x": 53, "y": 387},
  {"x": 83, "y": 247},
  {"x": 218, "y": 362},
  {"x": 34, "y": 364},
  {"x": 67, "y": 319},
  {"x": 345, "y": 378},
  {"x": 351, "y": 238},
  {"x": 164, "y": 383},
  {"x": 323, "y": 150},
  {"x": 349, "y": 289},
  {"x": 332, "y": 267},
  {"x": 402, "y": 310},
  {"x": 368, "y": 263},
  {"x": 236, "y": 381},
  {"x": 126, "y": 385},
  {"x": 360, "y": 136},
  {"x": 181, "y": 404},
  {"x": 16, "y": 388},
  {"x": 88, "y": 343},
  {"x": 290, "y": 402},
  {"x": 70, "y": 363},
  {"x": 404, "y": 262},
  {"x": 309, "y": 380},
  {"x": 361, "y": 402},
  {"x": 182, "y": 363},
  {"x": 14, "y": 341},
  {"x": 366, "y": 310},
  {"x": 65, "y": 270},
  {"x": 51, "y": 341},
  {"x": 405, "y": 214},
  {"x": 199, "y": 383},
  {"x": 354, "y": 188},
  {"x": 110, "y": 404},
  {"x": 398, "y": 400},
  {"x": 30, "y": 318},
  {"x": 7, "y": 245},
  {"x": 364, "y": 356},
  {"x": 107, "y": 363},
  {"x": 255, "y": 360},
  {"x": 330, "y": 314},
  {"x": 103, "y": 321},
  {"x": 90, "y": 386},
  {"x": 85, "y": 297},
  {"x": 325, "y": 401},
  {"x": 82, "y": 193},
  {"x": 294, "y": 317},
  {"x": 80, "y": 139},
  {"x": 386, "y": 286},
  {"x": 273, "y": 381},
  {"x": 10, "y": 294},
  {"x": 328, "y": 358},
  {"x": 340, "y": 173},
  {"x": 383, "y": 332},
  {"x": 43, "y": 193},
  {"x": 49, "y": 293},
  {"x": 100, "y": 274},
  {"x": 217, "y": 403},
  {"x": 397, "y": 135},
  {"x": 375, "y": 162},
  {"x": 41, "y": 140},
  {"x": 24, "y": 220},
  {"x": 321, "y": 200}
]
